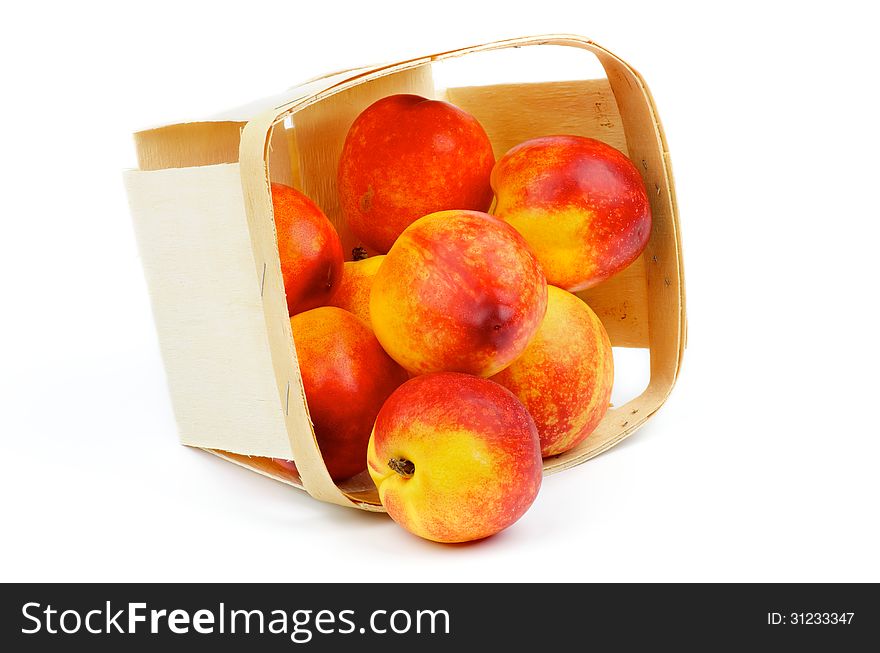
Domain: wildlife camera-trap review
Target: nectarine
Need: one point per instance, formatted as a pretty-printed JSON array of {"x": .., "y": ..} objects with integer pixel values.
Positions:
[
  {"x": 354, "y": 287},
  {"x": 347, "y": 377},
  {"x": 564, "y": 377},
  {"x": 460, "y": 291},
  {"x": 310, "y": 250},
  {"x": 454, "y": 457},
  {"x": 406, "y": 156},
  {"x": 581, "y": 205}
]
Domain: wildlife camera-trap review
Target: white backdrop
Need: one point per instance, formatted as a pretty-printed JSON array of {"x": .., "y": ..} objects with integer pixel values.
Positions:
[{"x": 763, "y": 463}]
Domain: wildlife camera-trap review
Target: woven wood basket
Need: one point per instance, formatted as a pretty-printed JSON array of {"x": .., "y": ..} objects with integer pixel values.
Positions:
[{"x": 202, "y": 211}]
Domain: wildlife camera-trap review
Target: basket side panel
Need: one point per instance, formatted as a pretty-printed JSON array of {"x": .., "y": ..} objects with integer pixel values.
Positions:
[
  {"x": 662, "y": 264},
  {"x": 254, "y": 158},
  {"x": 513, "y": 113},
  {"x": 663, "y": 256},
  {"x": 314, "y": 140},
  {"x": 188, "y": 145},
  {"x": 196, "y": 252}
]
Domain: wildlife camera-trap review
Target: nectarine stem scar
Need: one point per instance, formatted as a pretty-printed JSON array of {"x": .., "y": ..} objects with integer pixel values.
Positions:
[
  {"x": 359, "y": 254},
  {"x": 402, "y": 466}
]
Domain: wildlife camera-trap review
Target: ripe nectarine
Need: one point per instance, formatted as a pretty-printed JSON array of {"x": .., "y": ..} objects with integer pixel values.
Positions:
[
  {"x": 581, "y": 205},
  {"x": 347, "y": 377},
  {"x": 310, "y": 250},
  {"x": 564, "y": 376},
  {"x": 454, "y": 457},
  {"x": 406, "y": 156},
  {"x": 460, "y": 291},
  {"x": 354, "y": 287}
]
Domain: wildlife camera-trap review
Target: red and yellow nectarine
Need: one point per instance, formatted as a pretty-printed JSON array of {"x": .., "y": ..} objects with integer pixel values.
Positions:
[
  {"x": 354, "y": 287},
  {"x": 454, "y": 457},
  {"x": 581, "y": 205},
  {"x": 564, "y": 377},
  {"x": 460, "y": 291}
]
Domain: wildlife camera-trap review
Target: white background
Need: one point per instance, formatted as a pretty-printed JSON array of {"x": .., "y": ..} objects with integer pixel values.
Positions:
[{"x": 763, "y": 465}]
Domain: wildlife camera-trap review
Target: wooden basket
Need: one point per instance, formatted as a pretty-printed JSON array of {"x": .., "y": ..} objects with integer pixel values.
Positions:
[{"x": 203, "y": 217}]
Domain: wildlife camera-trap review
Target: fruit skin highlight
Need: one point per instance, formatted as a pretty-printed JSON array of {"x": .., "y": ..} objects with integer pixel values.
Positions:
[
  {"x": 460, "y": 291},
  {"x": 581, "y": 205},
  {"x": 354, "y": 287},
  {"x": 346, "y": 377},
  {"x": 455, "y": 457},
  {"x": 565, "y": 375},
  {"x": 406, "y": 156},
  {"x": 309, "y": 247}
]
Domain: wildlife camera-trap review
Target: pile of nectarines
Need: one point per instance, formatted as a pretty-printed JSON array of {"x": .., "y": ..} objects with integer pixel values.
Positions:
[{"x": 454, "y": 358}]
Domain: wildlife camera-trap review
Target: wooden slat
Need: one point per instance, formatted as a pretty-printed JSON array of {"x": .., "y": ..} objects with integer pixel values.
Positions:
[
  {"x": 621, "y": 303},
  {"x": 195, "y": 247},
  {"x": 513, "y": 113},
  {"x": 188, "y": 145}
]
